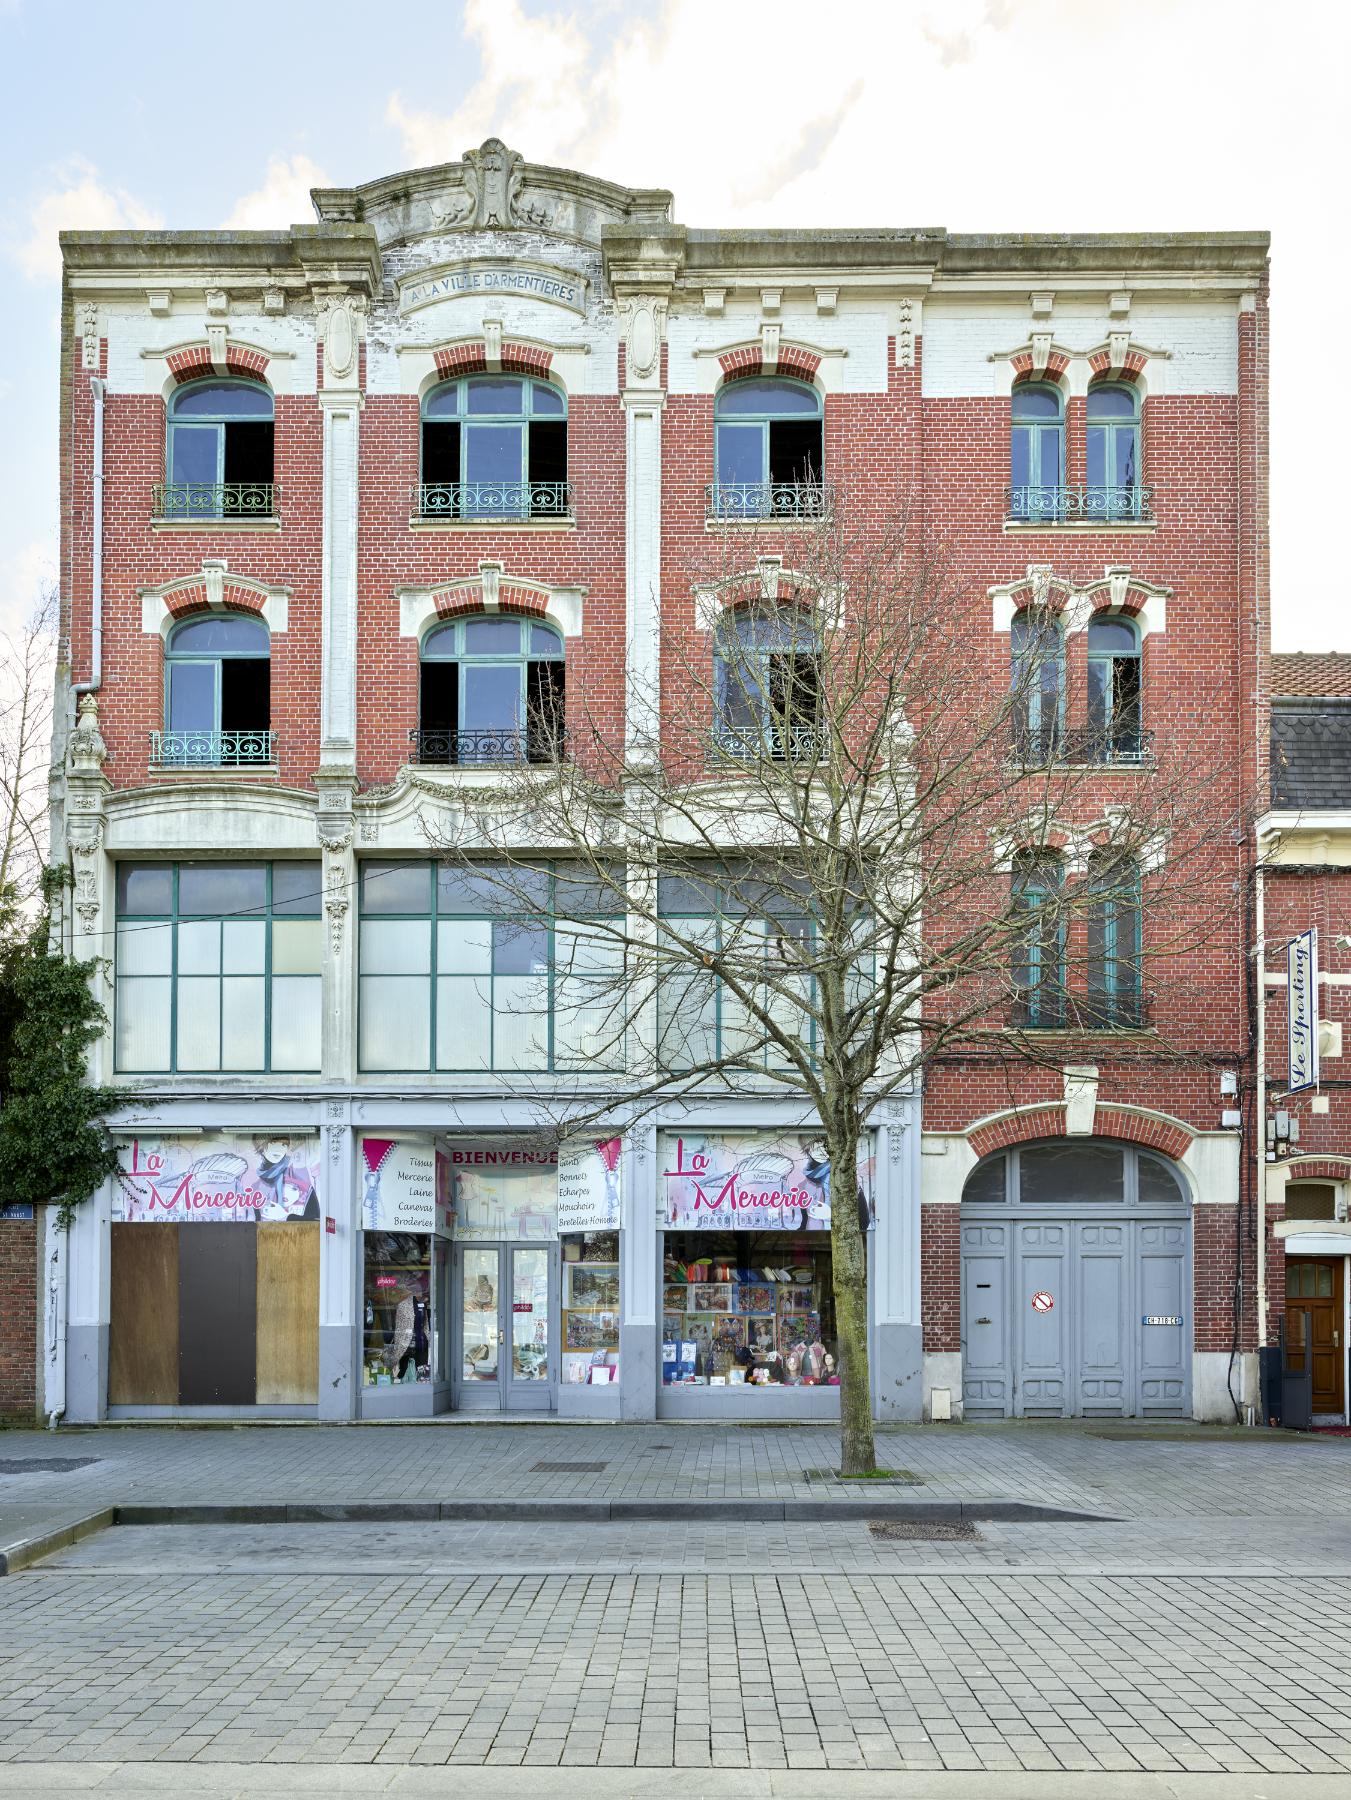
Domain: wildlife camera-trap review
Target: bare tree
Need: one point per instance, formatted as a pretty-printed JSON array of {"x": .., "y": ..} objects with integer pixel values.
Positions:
[
  {"x": 27, "y": 654},
  {"x": 838, "y": 835}
]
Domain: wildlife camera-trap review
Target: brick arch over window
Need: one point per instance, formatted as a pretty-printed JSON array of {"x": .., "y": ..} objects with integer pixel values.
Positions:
[
  {"x": 194, "y": 599},
  {"x": 472, "y": 359},
  {"x": 194, "y": 361},
  {"x": 793, "y": 361},
  {"x": 1132, "y": 1125},
  {"x": 1056, "y": 370},
  {"x": 1100, "y": 366},
  {"x": 1320, "y": 1168}
]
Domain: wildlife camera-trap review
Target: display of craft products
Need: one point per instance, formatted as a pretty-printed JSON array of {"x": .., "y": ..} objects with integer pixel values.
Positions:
[{"x": 727, "y": 1326}]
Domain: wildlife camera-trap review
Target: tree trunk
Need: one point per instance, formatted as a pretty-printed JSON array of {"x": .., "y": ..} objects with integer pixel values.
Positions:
[{"x": 849, "y": 1274}]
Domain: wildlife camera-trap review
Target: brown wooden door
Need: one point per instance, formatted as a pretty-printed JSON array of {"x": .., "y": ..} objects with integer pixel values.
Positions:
[{"x": 1313, "y": 1285}]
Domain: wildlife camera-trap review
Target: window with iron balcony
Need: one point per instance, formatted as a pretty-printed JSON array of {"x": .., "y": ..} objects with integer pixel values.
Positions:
[
  {"x": 219, "y": 455},
  {"x": 768, "y": 453},
  {"x": 1113, "y": 494},
  {"x": 491, "y": 692},
  {"x": 494, "y": 449},
  {"x": 217, "y": 695}
]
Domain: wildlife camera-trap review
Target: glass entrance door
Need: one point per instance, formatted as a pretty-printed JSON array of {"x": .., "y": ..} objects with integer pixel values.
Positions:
[{"x": 506, "y": 1351}]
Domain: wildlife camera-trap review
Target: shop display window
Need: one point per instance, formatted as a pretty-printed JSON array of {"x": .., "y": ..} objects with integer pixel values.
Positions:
[
  {"x": 404, "y": 1339},
  {"x": 591, "y": 1307},
  {"x": 748, "y": 1309}
]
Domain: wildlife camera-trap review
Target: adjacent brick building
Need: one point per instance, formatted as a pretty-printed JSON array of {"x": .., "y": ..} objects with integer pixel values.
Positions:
[{"x": 338, "y": 502}]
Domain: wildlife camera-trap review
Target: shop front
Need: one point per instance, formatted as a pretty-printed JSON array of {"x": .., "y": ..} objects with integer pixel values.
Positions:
[
  {"x": 214, "y": 1275},
  {"x": 747, "y": 1299}
]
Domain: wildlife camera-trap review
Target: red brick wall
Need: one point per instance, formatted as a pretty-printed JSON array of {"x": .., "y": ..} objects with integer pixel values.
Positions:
[{"x": 18, "y": 1317}]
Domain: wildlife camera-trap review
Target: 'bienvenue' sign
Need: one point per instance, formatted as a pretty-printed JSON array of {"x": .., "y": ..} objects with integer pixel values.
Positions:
[{"x": 558, "y": 286}]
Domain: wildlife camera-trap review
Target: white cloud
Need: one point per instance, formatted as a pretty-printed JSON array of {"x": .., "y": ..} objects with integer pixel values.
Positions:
[
  {"x": 80, "y": 202},
  {"x": 26, "y": 572},
  {"x": 282, "y": 198}
]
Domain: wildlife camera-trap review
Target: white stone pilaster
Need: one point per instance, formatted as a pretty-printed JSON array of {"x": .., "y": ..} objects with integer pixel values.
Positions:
[{"x": 342, "y": 415}]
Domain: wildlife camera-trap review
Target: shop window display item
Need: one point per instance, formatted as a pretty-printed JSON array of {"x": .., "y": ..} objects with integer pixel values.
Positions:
[
  {"x": 398, "y": 1316},
  {"x": 591, "y": 1308},
  {"x": 748, "y": 1309}
]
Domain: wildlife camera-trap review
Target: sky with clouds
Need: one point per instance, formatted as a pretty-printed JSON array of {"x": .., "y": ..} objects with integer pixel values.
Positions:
[{"x": 998, "y": 115}]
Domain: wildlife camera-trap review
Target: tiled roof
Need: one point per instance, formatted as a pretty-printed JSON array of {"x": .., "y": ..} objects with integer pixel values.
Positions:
[
  {"x": 1311, "y": 750},
  {"x": 1308, "y": 672}
]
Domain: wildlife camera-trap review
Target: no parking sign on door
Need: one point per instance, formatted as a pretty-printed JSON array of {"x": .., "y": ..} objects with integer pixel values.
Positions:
[{"x": 1042, "y": 1301}]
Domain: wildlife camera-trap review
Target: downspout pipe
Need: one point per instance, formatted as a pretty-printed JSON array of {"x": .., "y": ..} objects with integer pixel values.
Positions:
[
  {"x": 98, "y": 388},
  {"x": 57, "y": 1266}
]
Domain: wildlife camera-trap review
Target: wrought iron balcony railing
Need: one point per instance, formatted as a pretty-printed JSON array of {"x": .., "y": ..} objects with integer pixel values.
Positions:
[
  {"x": 484, "y": 749},
  {"x": 208, "y": 500},
  {"x": 776, "y": 743},
  {"x": 1112, "y": 746},
  {"x": 1052, "y": 1009},
  {"x": 503, "y": 500},
  {"x": 211, "y": 749},
  {"x": 1065, "y": 505},
  {"x": 770, "y": 500}
]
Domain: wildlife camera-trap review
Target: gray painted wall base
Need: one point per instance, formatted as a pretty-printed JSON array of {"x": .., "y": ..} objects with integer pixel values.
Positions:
[
  {"x": 86, "y": 1373},
  {"x": 639, "y": 1371},
  {"x": 897, "y": 1353},
  {"x": 337, "y": 1393}
]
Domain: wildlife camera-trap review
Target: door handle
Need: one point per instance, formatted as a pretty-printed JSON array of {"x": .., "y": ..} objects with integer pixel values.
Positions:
[
  {"x": 1336, "y": 1339},
  {"x": 985, "y": 1321},
  {"x": 501, "y": 1337}
]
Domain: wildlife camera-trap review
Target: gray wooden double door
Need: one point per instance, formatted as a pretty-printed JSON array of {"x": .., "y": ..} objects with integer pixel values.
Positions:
[{"x": 1067, "y": 1316}]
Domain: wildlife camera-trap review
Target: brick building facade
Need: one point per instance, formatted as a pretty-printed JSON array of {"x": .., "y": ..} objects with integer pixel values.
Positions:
[{"x": 334, "y": 455}]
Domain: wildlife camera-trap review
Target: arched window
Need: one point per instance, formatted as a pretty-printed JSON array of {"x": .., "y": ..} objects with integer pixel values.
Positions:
[
  {"x": 491, "y": 692},
  {"x": 1075, "y": 1172},
  {"x": 1113, "y": 446},
  {"x": 1039, "y": 953},
  {"x": 1114, "y": 996},
  {"x": 219, "y": 459},
  {"x": 767, "y": 682},
  {"x": 769, "y": 456},
  {"x": 495, "y": 447},
  {"x": 217, "y": 693},
  {"x": 1114, "y": 732},
  {"x": 1037, "y": 646},
  {"x": 1037, "y": 453}
]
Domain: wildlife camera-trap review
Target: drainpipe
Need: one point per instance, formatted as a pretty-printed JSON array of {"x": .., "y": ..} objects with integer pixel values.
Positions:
[
  {"x": 98, "y": 389},
  {"x": 57, "y": 1264},
  {"x": 1260, "y": 1098}
]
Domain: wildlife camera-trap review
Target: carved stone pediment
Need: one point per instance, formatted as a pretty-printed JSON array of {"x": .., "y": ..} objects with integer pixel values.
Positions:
[{"x": 492, "y": 188}]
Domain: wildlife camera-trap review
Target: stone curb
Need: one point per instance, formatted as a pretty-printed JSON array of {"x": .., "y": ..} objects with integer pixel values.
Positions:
[
  {"x": 598, "y": 1512},
  {"x": 22, "y": 1551}
]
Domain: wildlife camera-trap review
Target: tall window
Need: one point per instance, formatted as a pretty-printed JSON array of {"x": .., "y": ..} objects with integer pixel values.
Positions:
[
  {"x": 218, "y": 687},
  {"x": 495, "y": 447},
  {"x": 1037, "y": 464},
  {"x": 219, "y": 459},
  {"x": 465, "y": 972},
  {"x": 1039, "y": 959},
  {"x": 769, "y": 457},
  {"x": 218, "y": 967},
  {"x": 1114, "y": 996},
  {"x": 491, "y": 692},
  {"x": 1114, "y": 691},
  {"x": 767, "y": 673},
  {"x": 1037, "y": 646},
  {"x": 699, "y": 1019},
  {"x": 1113, "y": 447}
]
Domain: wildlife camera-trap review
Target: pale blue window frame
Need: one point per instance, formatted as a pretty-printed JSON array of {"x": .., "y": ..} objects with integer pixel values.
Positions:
[
  {"x": 1115, "y": 924},
  {"x": 1115, "y": 688},
  {"x": 1037, "y": 452},
  {"x": 756, "y": 656},
  {"x": 744, "y": 414},
  {"x": 1037, "y": 666},
  {"x": 198, "y": 415},
  {"x": 1039, "y": 962},
  {"x": 494, "y": 414},
  {"x": 1112, "y": 448}
]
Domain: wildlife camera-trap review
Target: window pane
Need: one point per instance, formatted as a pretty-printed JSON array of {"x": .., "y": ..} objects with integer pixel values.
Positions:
[
  {"x": 144, "y": 949},
  {"x": 742, "y": 451},
  {"x": 767, "y": 397},
  {"x": 396, "y": 946},
  {"x": 519, "y": 949},
  {"x": 1159, "y": 1186},
  {"x": 296, "y": 889},
  {"x": 521, "y": 1022},
  {"x": 463, "y": 1022},
  {"x": 221, "y": 888},
  {"x": 588, "y": 1024},
  {"x": 143, "y": 1025},
  {"x": 243, "y": 1018},
  {"x": 1111, "y": 635},
  {"x": 1110, "y": 403},
  {"x": 297, "y": 947},
  {"x": 1096, "y": 464},
  {"x": 194, "y": 453},
  {"x": 1125, "y": 461},
  {"x": 222, "y": 400},
  {"x": 145, "y": 888},
  {"x": 199, "y": 948},
  {"x": 1020, "y": 457},
  {"x": 439, "y": 644},
  {"x": 442, "y": 403},
  {"x": 986, "y": 1183},
  {"x": 296, "y": 1022},
  {"x": 1049, "y": 446},
  {"x": 492, "y": 637},
  {"x": 579, "y": 893},
  {"x": 192, "y": 696},
  {"x": 493, "y": 454},
  {"x": 395, "y": 1023},
  {"x": 1052, "y": 1174},
  {"x": 227, "y": 634},
  {"x": 1035, "y": 403},
  {"x": 498, "y": 889},
  {"x": 464, "y": 947},
  {"x": 198, "y": 1044},
  {"x": 547, "y": 402},
  {"x": 243, "y": 946},
  {"x": 490, "y": 395},
  {"x": 492, "y": 697},
  {"x": 396, "y": 887},
  {"x": 544, "y": 642}
]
